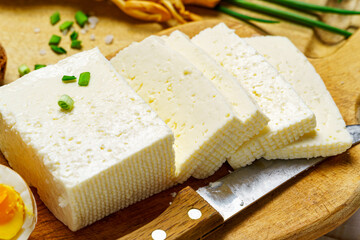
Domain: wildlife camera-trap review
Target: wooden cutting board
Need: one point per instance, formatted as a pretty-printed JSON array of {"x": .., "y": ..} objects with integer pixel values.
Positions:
[{"x": 304, "y": 208}]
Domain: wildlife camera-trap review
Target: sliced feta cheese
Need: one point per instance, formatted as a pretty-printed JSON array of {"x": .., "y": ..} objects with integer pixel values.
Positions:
[
  {"x": 203, "y": 122},
  {"x": 289, "y": 117},
  {"x": 250, "y": 118},
  {"x": 330, "y": 136},
  {"x": 108, "y": 152}
]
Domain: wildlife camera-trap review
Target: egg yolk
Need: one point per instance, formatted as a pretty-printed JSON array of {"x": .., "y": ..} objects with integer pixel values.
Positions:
[{"x": 11, "y": 212}]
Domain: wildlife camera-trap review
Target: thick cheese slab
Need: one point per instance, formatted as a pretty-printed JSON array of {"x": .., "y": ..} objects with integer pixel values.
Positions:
[
  {"x": 203, "y": 122},
  {"x": 250, "y": 118},
  {"x": 109, "y": 151},
  {"x": 330, "y": 136},
  {"x": 289, "y": 117}
]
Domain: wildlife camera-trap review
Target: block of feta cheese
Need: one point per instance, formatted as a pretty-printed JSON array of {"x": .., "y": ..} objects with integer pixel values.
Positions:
[
  {"x": 109, "y": 151},
  {"x": 330, "y": 136},
  {"x": 204, "y": 123},
  {"x": 289, "y": 116},
  {"x": 248, "y": 113}
]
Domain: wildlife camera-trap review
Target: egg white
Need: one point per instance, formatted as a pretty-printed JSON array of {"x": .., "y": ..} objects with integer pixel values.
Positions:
[{"x": 11, "y": 178}]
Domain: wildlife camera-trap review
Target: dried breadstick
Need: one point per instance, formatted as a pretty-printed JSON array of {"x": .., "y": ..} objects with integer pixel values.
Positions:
[
  {"x": 204, "y": 3},
  {"x": 144, "y": 10},
  {"x": 157, "y": 10},
  {"x": 336, "y": 20}
]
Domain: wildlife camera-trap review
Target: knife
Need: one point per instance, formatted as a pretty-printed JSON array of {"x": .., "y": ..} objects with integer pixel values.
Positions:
[{"x": 195, "y": 213}]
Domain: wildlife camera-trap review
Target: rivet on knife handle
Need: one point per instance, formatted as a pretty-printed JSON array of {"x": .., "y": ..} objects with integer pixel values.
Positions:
[{"x": 188, "y": 217}]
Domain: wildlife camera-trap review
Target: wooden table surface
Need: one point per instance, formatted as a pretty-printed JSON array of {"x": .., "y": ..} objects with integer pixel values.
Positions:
[
  {"x": 19, "y": 18},
  {"x": 304, "y": 208}
]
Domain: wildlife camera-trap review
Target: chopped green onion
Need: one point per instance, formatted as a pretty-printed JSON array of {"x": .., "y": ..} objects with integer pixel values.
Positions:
[
  {"x": 289, "y": 16},
  {"x": 84, "y": 79},
  {"x": 76, "y": 44},
  {"x": 81, "y": 18},
  {"x": 67, "y": 79},
  {"x": 54, "y": 40},
  {"x": 55, "y": 18},
  {"x": 66, "y": 25},
  {"x": 23, "y": 69},
  {"x": 66, "y": 102},
  {"x": 74, "y": 35},
  {"x": 58, "y": 50},
  {"x": 313, "y": 7},
  {"x": 241, "y": 16},
  {"x": 38, "y": 66}
]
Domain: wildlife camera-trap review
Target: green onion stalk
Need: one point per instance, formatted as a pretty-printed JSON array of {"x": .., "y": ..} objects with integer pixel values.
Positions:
[{"x": 293, "y": 17}]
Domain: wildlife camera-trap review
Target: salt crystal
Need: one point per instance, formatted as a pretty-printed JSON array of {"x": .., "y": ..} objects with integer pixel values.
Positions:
[
  {"x": 65, "y": 31},
  {"x": 109, "y": 39},
  {"x": 42, "y": 52},
  {"x": 36, "y": 30},
  {"x": 93, "y": 20}
]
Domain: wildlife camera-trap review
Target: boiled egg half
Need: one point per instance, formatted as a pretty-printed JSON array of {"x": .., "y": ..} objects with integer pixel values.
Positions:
[{"x": 18, "y": 213}]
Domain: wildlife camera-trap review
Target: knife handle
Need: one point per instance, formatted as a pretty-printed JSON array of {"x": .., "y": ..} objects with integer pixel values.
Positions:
[{"x": 176, "y": 222}]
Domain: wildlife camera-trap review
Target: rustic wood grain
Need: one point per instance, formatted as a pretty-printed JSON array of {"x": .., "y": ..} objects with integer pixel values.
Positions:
[
  {"x": 304, "y": 208},
  {"x": 175, "y": 220},
  {"x": 3, "y": 61},
  {"x": 18, "y": 19}
]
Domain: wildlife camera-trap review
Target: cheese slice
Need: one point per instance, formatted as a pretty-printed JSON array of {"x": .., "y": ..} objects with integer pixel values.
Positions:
[
  {"x": 250, "y": 118},
  {"x": 330, "y": 136},
  {"x": 204, "y": 124},
  {"x": 289, "y": 117},
  {"x": 108, "y": 152}
]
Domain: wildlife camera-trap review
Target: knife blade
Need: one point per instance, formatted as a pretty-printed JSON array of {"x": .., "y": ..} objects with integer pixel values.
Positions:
[
  {"x": 238, "y": 190},
  {"x": 193, "y": 214}
]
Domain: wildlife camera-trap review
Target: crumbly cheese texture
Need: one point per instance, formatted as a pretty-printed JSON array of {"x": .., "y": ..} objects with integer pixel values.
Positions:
[
  {"x": 204, "y": 124},
  {"x": 289, "y": 117},
  {"x": 108, "y": 152},
  {"x": 330, "y": 136},
  {"x": 247, "y": 113}
]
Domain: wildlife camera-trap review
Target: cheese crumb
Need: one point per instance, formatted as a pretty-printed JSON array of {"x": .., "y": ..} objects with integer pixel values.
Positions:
[
  {"x": 62, "y": 202},
  {"x": 92, "y": 37},
  {"x": 173, "y": 194},
  {"x": 215, "y": 184},
  {"x": 109, "y": 39},
  {"x": 36, "y": 30}
]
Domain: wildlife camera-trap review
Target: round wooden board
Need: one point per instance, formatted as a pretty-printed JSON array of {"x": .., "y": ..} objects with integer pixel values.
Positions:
[
  {"x": 324, "y": 197},
  {"x": 304, "y": 208}
]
